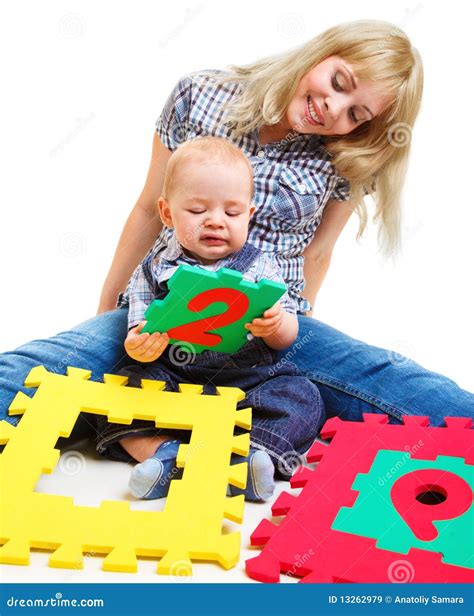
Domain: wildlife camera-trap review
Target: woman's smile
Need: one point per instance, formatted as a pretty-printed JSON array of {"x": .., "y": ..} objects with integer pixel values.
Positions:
[{"x": 314, "y": 114}]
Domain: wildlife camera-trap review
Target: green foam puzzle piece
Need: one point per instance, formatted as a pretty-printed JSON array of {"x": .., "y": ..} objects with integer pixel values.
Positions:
[
  {"x": 223, "y": 302},
  {"x": 374, "y": 515}
]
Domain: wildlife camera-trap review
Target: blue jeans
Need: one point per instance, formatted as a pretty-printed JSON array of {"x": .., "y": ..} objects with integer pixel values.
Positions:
[
  {"x": 287, "y": 408},
  {"x": 351, "y": 376}
]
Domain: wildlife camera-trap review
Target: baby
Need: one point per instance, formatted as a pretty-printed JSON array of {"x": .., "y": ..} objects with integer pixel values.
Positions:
[{"x": 207, "y": 203}]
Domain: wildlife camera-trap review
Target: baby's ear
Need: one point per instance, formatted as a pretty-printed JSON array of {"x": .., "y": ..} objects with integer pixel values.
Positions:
[
  {"x": 165, "y": 212},
  {"x": 252, "y": 209}
]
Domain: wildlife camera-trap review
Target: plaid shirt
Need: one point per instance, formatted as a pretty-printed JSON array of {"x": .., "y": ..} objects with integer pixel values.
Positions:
[
  {"x": 165, "y": 262},
  {"x": 294, "y": 178}
]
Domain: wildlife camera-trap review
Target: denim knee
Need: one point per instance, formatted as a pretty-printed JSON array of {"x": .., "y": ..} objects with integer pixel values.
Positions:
[{"x": 288, "y": 412}]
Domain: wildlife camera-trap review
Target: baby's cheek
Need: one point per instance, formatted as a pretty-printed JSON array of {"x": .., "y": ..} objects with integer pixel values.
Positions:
[
  {"x": 188, "y": 234},
  {"x": 239, "y": 234}
]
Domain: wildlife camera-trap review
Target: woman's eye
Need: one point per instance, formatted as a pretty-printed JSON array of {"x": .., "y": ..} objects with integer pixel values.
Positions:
[{"x": 336, "y": 85}]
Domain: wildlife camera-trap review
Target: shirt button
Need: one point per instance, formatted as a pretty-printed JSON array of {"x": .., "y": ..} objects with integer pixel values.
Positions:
[
  {"x": 302, "y": 188},
  {"x": 261, "y": 154}
]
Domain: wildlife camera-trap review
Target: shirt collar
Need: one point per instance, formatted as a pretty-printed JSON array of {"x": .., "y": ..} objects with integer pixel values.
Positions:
[
  {"x": 173, "y": 250},
  {"x": 292, "y": 137}
]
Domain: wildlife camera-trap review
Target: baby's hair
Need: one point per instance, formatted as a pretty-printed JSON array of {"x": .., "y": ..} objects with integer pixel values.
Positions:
[{"x": 205, "y": 149}]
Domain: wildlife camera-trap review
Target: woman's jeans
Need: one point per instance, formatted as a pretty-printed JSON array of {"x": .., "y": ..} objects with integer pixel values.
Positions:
[{"x": 352, "y": 377}]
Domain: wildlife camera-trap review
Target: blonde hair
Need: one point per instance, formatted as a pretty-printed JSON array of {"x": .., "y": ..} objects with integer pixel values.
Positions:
[
  {"x": 204, "y": 149},
  {"x": 374, "y": 156}
]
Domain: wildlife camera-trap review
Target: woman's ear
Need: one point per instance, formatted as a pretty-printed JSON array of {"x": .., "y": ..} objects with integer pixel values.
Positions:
[{"x": 165, "y": 212}]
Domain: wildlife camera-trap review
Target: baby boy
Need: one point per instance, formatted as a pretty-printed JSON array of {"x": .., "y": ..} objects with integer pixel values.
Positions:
[{"x": 205, "y": 206}]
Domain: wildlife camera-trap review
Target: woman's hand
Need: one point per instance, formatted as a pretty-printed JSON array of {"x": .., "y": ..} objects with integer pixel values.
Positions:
[
  {"x": 268, "y": 324},
  {"x": 145, "y": 347}
]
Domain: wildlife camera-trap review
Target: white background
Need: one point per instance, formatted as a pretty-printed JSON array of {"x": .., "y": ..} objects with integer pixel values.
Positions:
[{"x": 82, "y": 85}]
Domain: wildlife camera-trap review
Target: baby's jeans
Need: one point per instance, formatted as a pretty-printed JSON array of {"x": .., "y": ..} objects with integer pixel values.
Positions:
[{"x": 287, "y": 409}]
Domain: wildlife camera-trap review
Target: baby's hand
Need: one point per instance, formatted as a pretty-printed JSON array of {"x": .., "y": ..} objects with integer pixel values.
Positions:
[
  {"x": 145, "y": 347},
  {"x": 268, "y": 324}
]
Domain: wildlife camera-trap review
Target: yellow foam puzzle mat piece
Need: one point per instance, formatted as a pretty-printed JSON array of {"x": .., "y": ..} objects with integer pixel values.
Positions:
[{"x": 190, "y": 526}]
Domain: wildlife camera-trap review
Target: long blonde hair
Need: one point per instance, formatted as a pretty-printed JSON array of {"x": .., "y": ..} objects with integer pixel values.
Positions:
[{"x": 374, "y": 156}]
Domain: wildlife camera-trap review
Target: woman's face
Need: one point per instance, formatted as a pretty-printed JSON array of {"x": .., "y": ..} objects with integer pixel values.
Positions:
[{"x": 330, "y": 100}]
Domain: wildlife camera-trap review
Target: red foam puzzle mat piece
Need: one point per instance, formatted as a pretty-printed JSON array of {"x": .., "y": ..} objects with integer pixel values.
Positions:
[{"x": 304, "y": 545}]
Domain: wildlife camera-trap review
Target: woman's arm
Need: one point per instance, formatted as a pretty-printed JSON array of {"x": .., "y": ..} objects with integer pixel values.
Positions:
[
  {"x": 140, "y": 231},
  {"x": 317, "y": 255}
]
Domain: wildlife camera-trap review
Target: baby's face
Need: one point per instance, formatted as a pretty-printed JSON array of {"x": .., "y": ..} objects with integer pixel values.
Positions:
[{"x": 209, "y": 208}]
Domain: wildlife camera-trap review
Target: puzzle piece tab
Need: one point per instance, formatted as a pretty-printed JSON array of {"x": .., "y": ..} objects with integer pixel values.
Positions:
[{"x": 208, "y": 310}]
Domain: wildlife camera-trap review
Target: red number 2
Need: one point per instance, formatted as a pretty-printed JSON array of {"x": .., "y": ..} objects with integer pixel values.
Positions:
[{"x": 197, "y": 331}]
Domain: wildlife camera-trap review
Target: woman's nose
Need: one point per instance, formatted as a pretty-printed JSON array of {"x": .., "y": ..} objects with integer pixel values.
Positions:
[{"x": 334, "y": 106}]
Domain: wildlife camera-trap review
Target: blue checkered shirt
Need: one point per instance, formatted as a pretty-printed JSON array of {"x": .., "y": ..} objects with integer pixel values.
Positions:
[
  {"x": 294, "y": 178},
  {"x": 166, "y": 260}
]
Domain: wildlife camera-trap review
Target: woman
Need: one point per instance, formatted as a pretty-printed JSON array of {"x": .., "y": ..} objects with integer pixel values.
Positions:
[{"x": 320, "y": 126}]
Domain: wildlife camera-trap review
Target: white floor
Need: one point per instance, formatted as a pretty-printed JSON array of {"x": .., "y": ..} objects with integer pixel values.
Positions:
[{"x": 90, "y": 480}]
